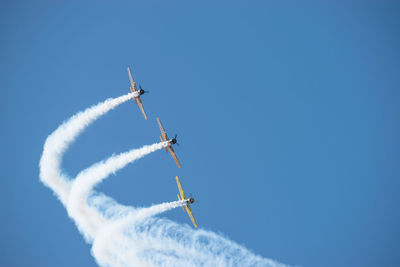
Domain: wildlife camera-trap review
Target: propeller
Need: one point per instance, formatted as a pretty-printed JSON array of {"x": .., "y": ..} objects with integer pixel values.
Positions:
[
  {"x": 176, "y": 141},
  {"x": 143, "y": 90},
  {"x": 191, "y": 196}
]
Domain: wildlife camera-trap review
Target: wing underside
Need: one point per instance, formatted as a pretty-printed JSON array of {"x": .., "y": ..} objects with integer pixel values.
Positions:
[
  {"x": 183, "y": 197},
  {"x": 162, "y": 130},
  {"x": 189, "y": 211},
  {"x": 133, "y": 84},
  {"x": 139, "y": 102},
  {"x": 180, "y": 188},
  {"x": 171, "y": 150}
]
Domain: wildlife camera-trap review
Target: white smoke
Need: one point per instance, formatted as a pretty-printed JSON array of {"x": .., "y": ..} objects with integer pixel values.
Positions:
[
  {"x": 87, "y": 218},
  {"x": 127, "y": 236},
  {"x": 106, "y": 244},
  {"x": 57, "y": 143}
]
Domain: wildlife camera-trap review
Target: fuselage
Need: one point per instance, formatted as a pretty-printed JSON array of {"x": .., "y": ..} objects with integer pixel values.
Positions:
[
  {"x": 172, "y": 141},
  {"x": 138, "y": 93}
]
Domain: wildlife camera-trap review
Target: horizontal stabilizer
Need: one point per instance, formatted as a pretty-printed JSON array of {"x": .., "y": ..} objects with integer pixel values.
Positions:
[
  {"x": 163, "y": 141},
  {"x": 134, "y": 98},
  {"x": 180, "y": 199}
]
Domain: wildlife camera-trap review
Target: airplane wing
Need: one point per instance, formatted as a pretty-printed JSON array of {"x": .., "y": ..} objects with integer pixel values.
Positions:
[
  {"x": 171, "y": 150},
  {"x": 189, "y": 211},
  {"x": 180, "y": 188},
  {"x": 133, "y": 85},
  {"x": 139, "y": 102},
  {"x": 162, "y": 130}
]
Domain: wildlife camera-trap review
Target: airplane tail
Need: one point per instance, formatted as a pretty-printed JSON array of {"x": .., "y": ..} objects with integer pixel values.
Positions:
[
  {"x": 180, "y": 199},
  {"x": 163, "y": 141}
]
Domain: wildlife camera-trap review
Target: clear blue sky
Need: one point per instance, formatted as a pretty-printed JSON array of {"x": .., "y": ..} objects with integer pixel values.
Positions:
[{"x": 287, "y": 115}]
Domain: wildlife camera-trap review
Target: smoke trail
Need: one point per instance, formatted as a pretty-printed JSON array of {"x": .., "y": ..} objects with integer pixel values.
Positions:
[
  {"x": 57, "y": 143},
  {"x": 111, "y": 251},
  {"x": 142, "y": 240},
  {"x": 125, "y": 236},
  {"x": 87, "y": 219}
]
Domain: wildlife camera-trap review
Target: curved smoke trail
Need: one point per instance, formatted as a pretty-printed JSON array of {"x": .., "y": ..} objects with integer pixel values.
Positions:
[
  {"x": 88, "y": 219},
  {"x": 125, "y": 236},
  {"x": 140, "y": 240},
  {"x": 111, "y": 238},
  {"x": 57, "y": 143}
]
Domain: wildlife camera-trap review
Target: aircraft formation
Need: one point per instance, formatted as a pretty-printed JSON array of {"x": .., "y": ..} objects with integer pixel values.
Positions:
[{"x": 164, "y": 138}]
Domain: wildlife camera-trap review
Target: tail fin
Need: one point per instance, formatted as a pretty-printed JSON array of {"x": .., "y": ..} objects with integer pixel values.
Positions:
[{"x": 180, "y": 199}]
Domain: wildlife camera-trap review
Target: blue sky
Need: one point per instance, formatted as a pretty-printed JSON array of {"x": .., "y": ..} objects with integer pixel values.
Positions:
[{"x": 287, "y": 115}]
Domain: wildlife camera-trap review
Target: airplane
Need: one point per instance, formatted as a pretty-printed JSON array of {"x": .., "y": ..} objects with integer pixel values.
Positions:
[
  {"x": 188, "y": 202},
  {"x": 137, "y": 93},
  {"x": 164, "y": 138}
]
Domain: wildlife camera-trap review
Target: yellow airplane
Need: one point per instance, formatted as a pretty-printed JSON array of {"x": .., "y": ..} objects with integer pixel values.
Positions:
[
  {"x": 188, "y": 201},
  {"x": 137, "y": 93},
  {"x": 172, "y": 141}
]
